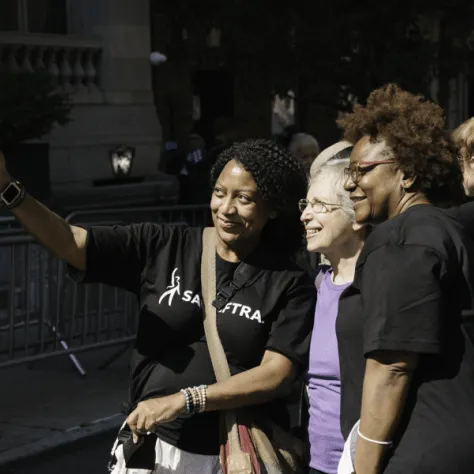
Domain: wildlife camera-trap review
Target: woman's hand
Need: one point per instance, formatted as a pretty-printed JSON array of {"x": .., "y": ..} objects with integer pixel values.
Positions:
[
  {"x": 154, "y": 412},
  {"x": 5, "y": 178}
]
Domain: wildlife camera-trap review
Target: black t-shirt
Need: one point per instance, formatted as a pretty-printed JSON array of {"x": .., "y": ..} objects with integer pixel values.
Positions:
[
  {"x": 464, "y": 214},
  {"x": 411, "y": 292},
  {"x": 161, "y": 264}
]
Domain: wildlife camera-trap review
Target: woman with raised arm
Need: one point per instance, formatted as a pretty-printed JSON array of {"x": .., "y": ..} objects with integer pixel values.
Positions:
[{"x": 264, "y": 327}]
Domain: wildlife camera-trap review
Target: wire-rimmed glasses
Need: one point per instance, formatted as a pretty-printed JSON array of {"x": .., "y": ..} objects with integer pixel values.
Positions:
[{"x": 317, "y": 206}]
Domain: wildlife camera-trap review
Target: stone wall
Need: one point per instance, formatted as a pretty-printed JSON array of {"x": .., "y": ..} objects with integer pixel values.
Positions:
[
  {"x": 80, "y": 152},
  {"x": 103, "y": 63}
]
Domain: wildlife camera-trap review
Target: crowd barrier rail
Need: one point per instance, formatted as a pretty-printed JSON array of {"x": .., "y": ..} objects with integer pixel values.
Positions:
[{"x": 44, "y": 313}]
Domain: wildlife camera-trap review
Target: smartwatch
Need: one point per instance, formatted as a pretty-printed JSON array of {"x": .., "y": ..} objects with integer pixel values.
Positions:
[{"x": 12, "y": 195}]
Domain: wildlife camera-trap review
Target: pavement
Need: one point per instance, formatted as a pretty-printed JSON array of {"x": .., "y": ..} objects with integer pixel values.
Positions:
[
  {"x": 49, "y": 404},
  {"x": 89, "y": 455}
]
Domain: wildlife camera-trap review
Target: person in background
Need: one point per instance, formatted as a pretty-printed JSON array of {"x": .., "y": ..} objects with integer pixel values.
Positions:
[
  {"x": 302, "y": 146},
  {"x": 328, "y": 218},
  {"x": 194, "y": 173},
  {"x": 171, "y": 160},
  {"x": 305, "y": 148},
  {"x": 405, "y": 331},
  {"x": 464, "y": 139},
  {"x": 265, "y": 327},
  {"x": 227, "y": 130}
]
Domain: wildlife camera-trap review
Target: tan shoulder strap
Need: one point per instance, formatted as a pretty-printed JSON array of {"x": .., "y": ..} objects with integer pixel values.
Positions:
[
  {"x": 238, "y": 462},
  {"x": 208, "y": 285}
]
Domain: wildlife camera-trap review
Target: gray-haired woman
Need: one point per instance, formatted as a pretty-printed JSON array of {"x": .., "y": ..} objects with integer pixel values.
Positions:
[{"x": 328, "y": 217}]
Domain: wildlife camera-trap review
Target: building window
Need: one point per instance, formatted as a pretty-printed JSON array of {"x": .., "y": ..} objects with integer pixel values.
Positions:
[
  {"x": 47, "y": 16},
  {"x": 283, "y": 113},
  {"x": 34, "y": 16},
  {"x": 9, "y": 15}
]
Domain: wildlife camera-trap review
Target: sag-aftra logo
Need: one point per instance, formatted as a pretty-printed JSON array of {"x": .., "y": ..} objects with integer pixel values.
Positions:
[{"x": 174, "y": 289}]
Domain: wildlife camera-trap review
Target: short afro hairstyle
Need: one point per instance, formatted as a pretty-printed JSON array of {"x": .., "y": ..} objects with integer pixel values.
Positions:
[
  {"x": 281, "y": 182},
  {"x": 414, "y": 129}
]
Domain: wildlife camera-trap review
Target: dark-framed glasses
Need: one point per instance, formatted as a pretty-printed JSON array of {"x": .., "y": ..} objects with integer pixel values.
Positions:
[
  {"x": 356, "y": 171},
  {"x": 317, "y": 206}
]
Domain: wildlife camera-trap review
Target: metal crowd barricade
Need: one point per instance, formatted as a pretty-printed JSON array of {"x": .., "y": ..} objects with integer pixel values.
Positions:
[
  {"x": 185, "y": 214},
  {"x": 8, "y": 222},
  {"x": 43, "y": 313}
]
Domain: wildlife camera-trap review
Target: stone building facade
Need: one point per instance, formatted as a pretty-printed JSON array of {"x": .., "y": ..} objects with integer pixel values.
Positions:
[{"x": 97, "y": 51}]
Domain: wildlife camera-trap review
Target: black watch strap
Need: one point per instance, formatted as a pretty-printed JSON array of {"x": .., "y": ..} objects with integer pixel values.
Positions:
[{"x": 12, "y": 195}]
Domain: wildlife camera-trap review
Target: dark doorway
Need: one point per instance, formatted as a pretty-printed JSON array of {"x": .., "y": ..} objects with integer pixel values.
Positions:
[{"x": 216, "y": 92}]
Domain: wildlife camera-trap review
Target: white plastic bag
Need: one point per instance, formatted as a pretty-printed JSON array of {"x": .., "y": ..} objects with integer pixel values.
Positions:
[{"x": 346, "y": 463}]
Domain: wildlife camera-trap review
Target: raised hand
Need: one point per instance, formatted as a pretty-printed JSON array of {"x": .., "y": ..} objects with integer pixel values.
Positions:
[
  {"x": 5, "y": 177},
  {"x": 2, "y": 161}
]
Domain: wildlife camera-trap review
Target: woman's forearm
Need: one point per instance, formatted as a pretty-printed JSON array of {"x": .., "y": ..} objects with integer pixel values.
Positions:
[
  {"x": 387, "y": 380},
  {"x": 271, "y": 379}
]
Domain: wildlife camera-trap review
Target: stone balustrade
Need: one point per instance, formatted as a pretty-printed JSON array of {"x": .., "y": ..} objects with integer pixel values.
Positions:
[{"x": 73, "y": 62}]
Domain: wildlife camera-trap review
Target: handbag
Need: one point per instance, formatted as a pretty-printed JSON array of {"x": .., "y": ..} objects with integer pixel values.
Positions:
[{"x": 247, "y": 446}]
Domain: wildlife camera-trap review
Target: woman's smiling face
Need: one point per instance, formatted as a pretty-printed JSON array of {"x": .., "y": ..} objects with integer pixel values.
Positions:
[
  {"x": 377, "y": 189},
  {"x": 327, "y": 226},
  {"x": 238, "y": 210}
]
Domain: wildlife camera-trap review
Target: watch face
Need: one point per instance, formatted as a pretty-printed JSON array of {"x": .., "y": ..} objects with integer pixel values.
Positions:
[{"x": 11, "y": 193}]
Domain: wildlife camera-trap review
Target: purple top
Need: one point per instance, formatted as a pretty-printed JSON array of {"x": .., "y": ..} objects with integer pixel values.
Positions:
[{"x": 324, "y": 381}]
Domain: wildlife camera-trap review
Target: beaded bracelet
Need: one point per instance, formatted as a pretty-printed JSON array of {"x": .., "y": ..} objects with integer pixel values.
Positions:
[
  {"x": 203, "y": 393},
  {"x": 196, "y": 398},
  {"x": 187, "y": 395}
]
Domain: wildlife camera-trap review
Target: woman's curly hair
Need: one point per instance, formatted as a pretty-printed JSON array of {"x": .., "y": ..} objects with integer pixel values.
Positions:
[
  {"x": 414, "y": 129},
  {"x": 281, "y": 182}
]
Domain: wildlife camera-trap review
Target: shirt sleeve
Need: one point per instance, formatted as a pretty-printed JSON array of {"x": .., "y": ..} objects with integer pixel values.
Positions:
[
  {"x": 290, "y": 334},
  {"x": 402, "y": 299},
  {"x": 117, "y": 255}
]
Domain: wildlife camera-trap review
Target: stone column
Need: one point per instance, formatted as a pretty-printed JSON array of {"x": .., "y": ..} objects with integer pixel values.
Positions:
[
  {"x": 126, "y": 116},
  {"x": 125, "y": 28}
]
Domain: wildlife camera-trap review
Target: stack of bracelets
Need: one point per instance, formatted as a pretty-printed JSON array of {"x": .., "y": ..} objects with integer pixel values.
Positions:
[{"x": 196, "y": 398}]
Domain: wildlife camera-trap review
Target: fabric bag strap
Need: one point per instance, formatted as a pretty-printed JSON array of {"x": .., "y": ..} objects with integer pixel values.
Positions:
[
  {"x": 208, "y": 286},
  {"x": 238, "y": 461},
  {"x": 245, "y": 275}
]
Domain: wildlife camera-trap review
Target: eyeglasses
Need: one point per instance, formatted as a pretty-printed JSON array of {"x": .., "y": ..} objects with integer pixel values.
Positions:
[
  {"x": 317, "y": 206},
  {"x": 355, "y": 172}
]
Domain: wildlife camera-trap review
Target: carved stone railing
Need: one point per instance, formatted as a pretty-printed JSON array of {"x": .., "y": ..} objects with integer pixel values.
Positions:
[{"x": 73, "y": 62}]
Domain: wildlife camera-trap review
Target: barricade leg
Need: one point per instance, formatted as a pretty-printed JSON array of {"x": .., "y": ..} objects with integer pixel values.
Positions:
[{"x": 64, "y": 344}]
